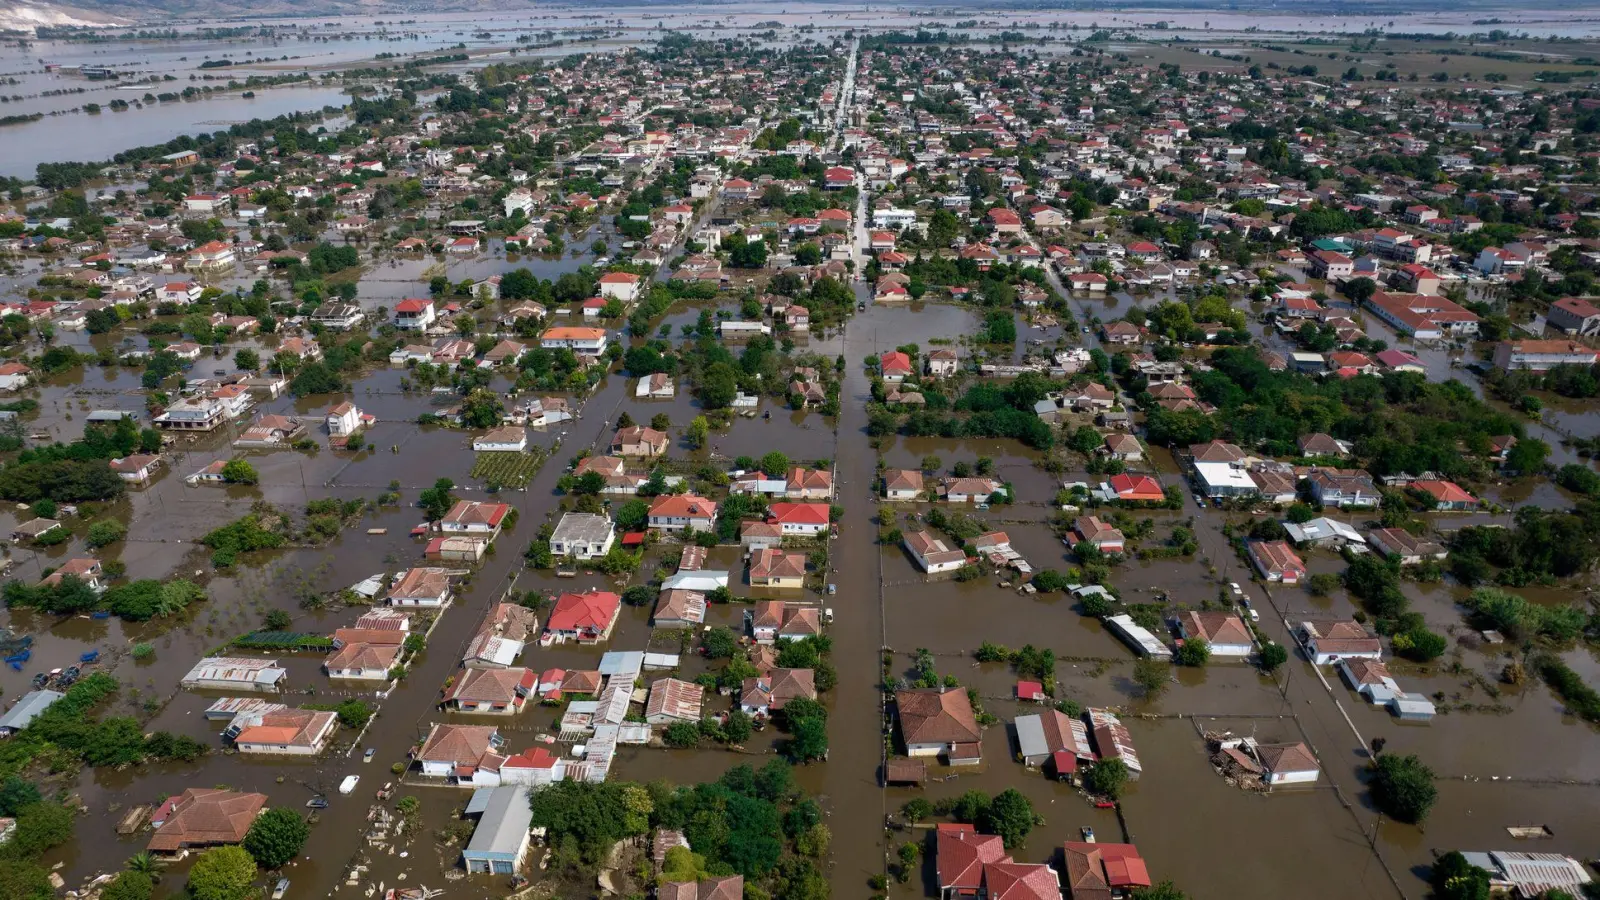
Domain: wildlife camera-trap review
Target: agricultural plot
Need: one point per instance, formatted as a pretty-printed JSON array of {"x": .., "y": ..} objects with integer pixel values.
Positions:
[{"x": 507, "y": 469}]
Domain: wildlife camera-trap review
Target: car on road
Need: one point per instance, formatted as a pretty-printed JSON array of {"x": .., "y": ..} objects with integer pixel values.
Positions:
[
  {"x": 1237, "y": 591},
  {"x": 1255, "y": 616}
]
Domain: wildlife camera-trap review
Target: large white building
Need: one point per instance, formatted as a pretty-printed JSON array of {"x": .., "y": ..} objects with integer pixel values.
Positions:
[{"x": 582, "y": 535}]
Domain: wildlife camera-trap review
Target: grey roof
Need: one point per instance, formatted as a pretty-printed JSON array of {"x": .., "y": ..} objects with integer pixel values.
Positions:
[
  {"x": 703, "y": 580},
  {"x": 504, "y": 825},
  {"x": 28, "y": 709},
  {"x": 479, "y": 804},
  {"x": 624, "y": 663},
  {"x": 1322, "y": 529},
  {"x": 1411, "y": 706},
  {"x": 1030, "y": 736},
  {"x": 581, "y": 527}
]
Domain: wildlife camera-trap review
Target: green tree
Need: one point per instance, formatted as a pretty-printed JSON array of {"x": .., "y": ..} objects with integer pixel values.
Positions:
[
  {"x": 1273, "y": 655},
  {"x": 1195, "y": 652},
  {"x": 16, "y": 793},
  {"x": 1107, "y": 777},
  {"x": 482, "y": 409},
  {"x": 699, "y": 431},
  {"x": 1010, "y": 816},
  {"x": 22, "y": 880},
  {"x": 681, "y": 734},
  {"x": 239, "y": 471},
  {"x": 222, "y": 873},
  {"x": 276, "y": 836},
  {"x": 1152, "y": 675},
  {"x": 1165, "y": 890},
  {"x": 1453, "y": 878},
  {"x": 437, "y": 500},
  {"x": 355, "y": 713},
  {"x": 129, "y": 886},
  {"x": 1527, "y": 456},
  {"x": 40, "y": 826},
  {"x": 719, "y": 642},
  {"x": 738, "y": 728},
  {"x": 1402, "y": 786},
  {"x": 718, "y": 385},
  {"x": 633, "y": 515},
  {"x": 808, "y": 740},
  {"x": 1360, "y": 290},
  {"x": 1322, "y": 584},
  {"x": 247, "y": 359},
  {"x": 105, "y": 531},
  {"x": 916, "y": 809}
]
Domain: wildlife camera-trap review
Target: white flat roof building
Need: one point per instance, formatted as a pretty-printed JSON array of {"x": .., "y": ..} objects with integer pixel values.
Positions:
[
  {"x": 1220, "y": 479},
  {"x": 1138, "y": 637}
]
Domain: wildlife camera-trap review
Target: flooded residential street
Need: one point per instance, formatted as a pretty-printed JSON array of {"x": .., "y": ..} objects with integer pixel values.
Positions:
[{"x": 1034, "y": 453}]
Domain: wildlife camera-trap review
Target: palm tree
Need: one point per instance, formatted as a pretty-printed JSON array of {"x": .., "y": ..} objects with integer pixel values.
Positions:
[{"x": 145, "y": 864}]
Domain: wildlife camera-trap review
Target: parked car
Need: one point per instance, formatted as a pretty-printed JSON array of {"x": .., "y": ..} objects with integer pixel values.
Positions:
[{"x": 367, "y": 756}]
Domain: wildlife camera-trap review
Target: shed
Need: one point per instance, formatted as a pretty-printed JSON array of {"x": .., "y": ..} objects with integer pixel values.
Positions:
[
  {"x": 1030, "y": 690},
  {"x": 1065, "y": 764},
  {"x": 1031, "y": 743},
  {"x": 500, "y": 842},
  {"x": 26, "y": 710},
  {"x": 903, "y": 770},
  {"x": 1411, "y": 707}
]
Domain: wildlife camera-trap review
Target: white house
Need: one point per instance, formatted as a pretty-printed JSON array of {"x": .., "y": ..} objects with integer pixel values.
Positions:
[
  {"x": 588, "y": 343},
  {"x": 474, "y": 517},
  {"x": 508, "y": 439},
  {"x": 1329, "y": 642},
  {"x": 1287, "y": 764},
  {"x": 362, "y": 662},
  {"x": 623, "y": 286},
  {"x": 582, "y": 535},
  {"x": 285, "y": 732},
  {"x": 655, "y": 387},
  {"x": 424, "y": 587},
  {"x": 932, "y": 554},
  {"x": 344, "y": 420},
  {"x": 414, "y": 314},
  {"x": 1224, "y": 632}
]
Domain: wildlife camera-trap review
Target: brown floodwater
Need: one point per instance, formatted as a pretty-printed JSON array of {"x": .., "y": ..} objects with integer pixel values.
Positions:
[{"x": 1184, "y": 818}]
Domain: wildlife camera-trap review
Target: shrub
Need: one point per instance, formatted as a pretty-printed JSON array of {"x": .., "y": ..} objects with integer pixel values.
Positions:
[{"x": 681, "y": 734}]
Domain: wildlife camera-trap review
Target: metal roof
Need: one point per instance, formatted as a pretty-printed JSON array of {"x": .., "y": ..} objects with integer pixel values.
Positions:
[
  {"x": 504, "y": 826},
  {"x": 29, "y": 708},
  {"x": 1030, "y": 736}
]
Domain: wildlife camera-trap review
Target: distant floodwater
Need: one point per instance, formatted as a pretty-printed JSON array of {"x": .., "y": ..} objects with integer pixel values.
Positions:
[{"x": 92, "y": 137}]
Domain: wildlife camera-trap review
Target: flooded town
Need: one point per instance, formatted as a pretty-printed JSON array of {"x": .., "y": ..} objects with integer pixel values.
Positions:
[{"x": 780, "y": 452}]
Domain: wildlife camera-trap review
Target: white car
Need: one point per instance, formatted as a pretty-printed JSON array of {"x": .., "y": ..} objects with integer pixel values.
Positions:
[{"x": 1237, "y": 591}]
